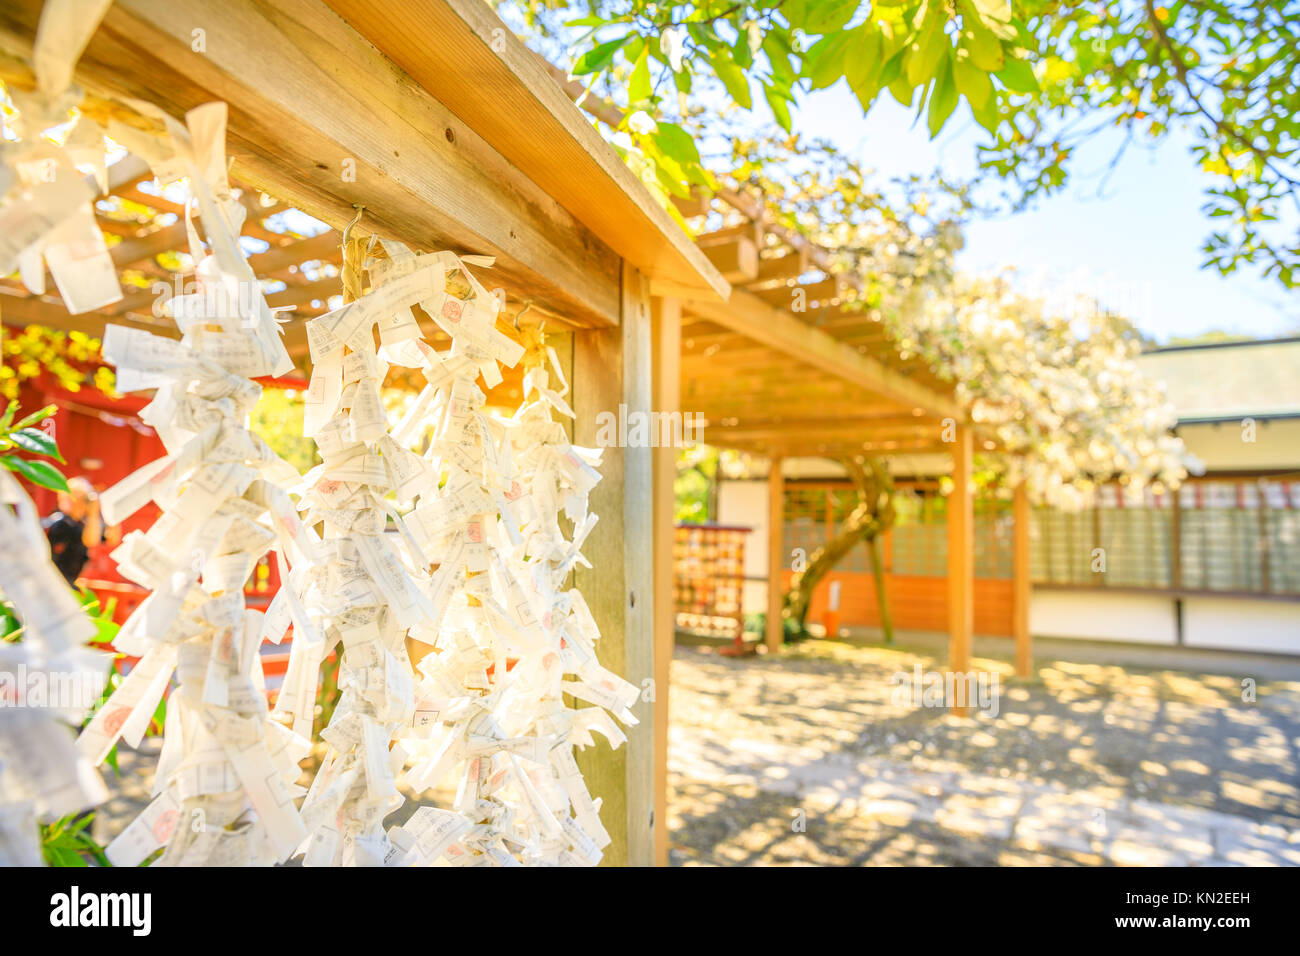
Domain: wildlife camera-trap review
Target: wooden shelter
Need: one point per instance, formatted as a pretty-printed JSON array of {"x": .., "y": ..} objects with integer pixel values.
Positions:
[{"x": 449, "y": 133}]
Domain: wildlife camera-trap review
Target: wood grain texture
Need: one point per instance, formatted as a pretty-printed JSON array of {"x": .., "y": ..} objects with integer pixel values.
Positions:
[
  {"x": 612, "y": 366},
  {"x": 961, "y": 558},
  {"x": 463, "y": 53},
  {"x": 666, "y": 337},
  {"x": 775, "y": 635},
  {"x": 763, "y": 323},
  {"x": 306, "y": 93},
  {"x": 1021, "y": 582}
]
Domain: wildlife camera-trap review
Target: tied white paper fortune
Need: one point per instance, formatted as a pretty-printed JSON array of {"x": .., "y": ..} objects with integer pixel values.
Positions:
[
  {"x": 489, "y": 712},
  {"x": 370, "y": 587},
  {"x": 46, "y": 216},
  {"x": 226, "y": 780},
  {"x": 46, "y": 220},
  {"x": 41, "y": 774}
]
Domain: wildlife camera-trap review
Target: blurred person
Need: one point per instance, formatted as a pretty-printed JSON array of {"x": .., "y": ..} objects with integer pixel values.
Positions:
[{"x": 76, "y": 528}]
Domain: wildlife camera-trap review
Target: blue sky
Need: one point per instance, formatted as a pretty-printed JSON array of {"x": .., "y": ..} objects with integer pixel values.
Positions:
[{"x": 1136, "y": 246}]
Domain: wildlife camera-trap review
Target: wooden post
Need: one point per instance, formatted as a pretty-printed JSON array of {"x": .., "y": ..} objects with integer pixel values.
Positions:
[
  {"x": 612, "y": 367},
  {"x": 1020, "y": 583},
  {"x": 775, "y": 556},
  {"x": 961, "y": 560},
  {"x": 666, "y": 352}
]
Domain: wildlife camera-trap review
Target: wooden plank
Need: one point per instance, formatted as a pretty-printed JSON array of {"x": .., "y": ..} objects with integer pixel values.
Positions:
[
  {"x": 791, "y": 265},
  {"x": 463, "y": 53},
  {"x": 736, "y": 259},
  {"x": 666, "y": 333},
  {"x": 1021, "y": 586},
  {"x": 612, "y": 366},
  {"x": 961, "y": 560},
  {"x": 20, "y": 311},
  {"x": 775, "y": 634},
  {"x": 306, "y": 93},
  {"x": 770, "y": 326},
  {"x": 823, "y": 291}
]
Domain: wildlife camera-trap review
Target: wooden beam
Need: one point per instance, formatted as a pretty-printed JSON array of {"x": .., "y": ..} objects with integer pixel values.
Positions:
[
  {"x": 852, "y": 433},
  {"x": 751, "y": 316},
  {"x": 612, "y": 367},
  {"x": 791, "y": 265},
  {"x": 775, "y": 635},
  {"x": 961, "y": 561},
  {"x": 822, "y": 291},
  {"x": 19, "y": 311},
  {"x": 1020, "y": 582},
  {"x": 325, "y": 245},
  {"x": 736, "y": 259},
  {"x": 666, "y": 319},
  {"x": 322, "y": 119},
  {"x": 467, "y": 57}
]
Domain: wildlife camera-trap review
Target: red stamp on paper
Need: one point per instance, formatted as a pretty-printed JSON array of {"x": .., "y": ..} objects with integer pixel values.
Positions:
[
  {"x": 475, "y": 532},
  {"x": 165, "y": 825},
  {"x": 452, "y": 309},
  {"x": 114, "y": 720}
]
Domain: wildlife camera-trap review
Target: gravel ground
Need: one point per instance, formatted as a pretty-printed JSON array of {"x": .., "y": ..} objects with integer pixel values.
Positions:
[{"x": 807, "y": 758}]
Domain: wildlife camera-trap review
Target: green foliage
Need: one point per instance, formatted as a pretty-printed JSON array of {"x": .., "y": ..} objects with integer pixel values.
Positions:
[
  {"x": 1039, "y": 76},
  {"x": 697, "y": 473},
  {"x": 67, "y": 842},
  {"x": 21, "y": 436},
  {"x": 278, "y": 419}
]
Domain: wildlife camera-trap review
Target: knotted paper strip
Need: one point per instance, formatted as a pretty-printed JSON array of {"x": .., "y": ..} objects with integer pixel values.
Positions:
[{"x": 227, "y": 771}]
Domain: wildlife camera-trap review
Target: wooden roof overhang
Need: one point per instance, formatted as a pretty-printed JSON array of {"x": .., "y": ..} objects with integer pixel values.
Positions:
[
  {"x": 451, "y": 133},
  {"x": 825, "y": 381},
  {"x": 791, "y": 365}
]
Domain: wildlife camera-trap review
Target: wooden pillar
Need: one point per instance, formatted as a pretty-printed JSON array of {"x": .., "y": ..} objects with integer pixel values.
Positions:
[
  {"x": 961, "y": 559},
  {"x": 1020, "y": 583},
  {"x": 666, "y": 353},
  {"x": 612, "y": 367},
  {"x": 775, "y": 556}
]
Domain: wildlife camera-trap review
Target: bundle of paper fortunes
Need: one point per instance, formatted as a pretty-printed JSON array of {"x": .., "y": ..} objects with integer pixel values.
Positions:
[
  {"x": 458, "y": 547},
  {"x": 227, "y": 771},
  {"x": 489, "y": 710},
  {"x": 46, "y": 222},
  {"x": 41, "y": 774}
]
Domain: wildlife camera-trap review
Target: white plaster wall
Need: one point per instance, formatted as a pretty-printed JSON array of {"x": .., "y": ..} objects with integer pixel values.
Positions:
[
  {"x": 1140, "y": 618},
  {"x": 1242, "y": 624},
  {"x": 744, "y": 503}
]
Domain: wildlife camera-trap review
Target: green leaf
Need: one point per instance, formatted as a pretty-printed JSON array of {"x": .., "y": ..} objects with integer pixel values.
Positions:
[
  {"x": 827, "y": 17},
  {"x": 944, "y": 98},
  {"x": 824, "y": 63},
  {"x": 972, "y": 82},
  {"x": 926, "y": 51},
  {"x": 984, "y": 49},
  {"x": 676, "y": 143},
  {"x": 902, "y": 91},
  {"x": 35, "y": 417},
  {"x": 36, "y": 441},
  {"x": 778, "y": 55},
  {"x": 638, "y": 88},
  {"x": 893, "y": 68},
  {"x": 996, "y": 15},
  {"x": 778, "y": 102},
  {"x": 1018, "y": 76},
  {"x": 732, "y": 77},
  {"x": 37, "y": 472},
  {"x": 863, "y": 62},
  {"x": 599, "y": 56}
]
